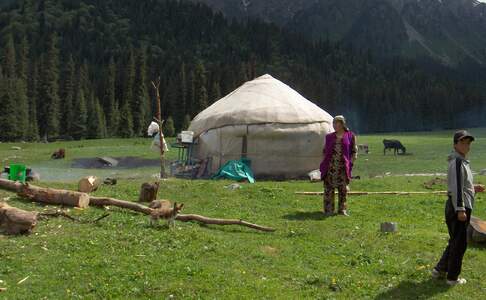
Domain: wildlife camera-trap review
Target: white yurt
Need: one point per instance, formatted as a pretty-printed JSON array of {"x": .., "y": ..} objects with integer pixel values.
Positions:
[{"x": 267, "y": 122}]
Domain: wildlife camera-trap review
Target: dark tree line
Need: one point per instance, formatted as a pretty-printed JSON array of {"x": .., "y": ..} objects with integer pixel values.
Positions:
[{"x": 83, "y": 69}]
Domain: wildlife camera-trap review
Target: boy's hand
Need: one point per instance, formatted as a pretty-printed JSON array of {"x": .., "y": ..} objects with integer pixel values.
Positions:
[
  {"x": 461, "y": 216},
  {"x": 479, "y": 188}
]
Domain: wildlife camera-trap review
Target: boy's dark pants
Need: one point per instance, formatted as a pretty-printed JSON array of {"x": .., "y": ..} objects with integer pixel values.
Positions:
[{"x": 451, "y": 261}]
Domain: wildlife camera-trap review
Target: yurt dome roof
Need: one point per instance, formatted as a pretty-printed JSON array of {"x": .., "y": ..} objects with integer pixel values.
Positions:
[{"x": 260, "y": 101}]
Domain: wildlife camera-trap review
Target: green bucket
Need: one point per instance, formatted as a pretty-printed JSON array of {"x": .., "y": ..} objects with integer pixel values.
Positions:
[{"x": 17, "y": 173}]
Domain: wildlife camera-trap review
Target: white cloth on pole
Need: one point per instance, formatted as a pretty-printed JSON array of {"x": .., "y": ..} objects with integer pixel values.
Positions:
[
  {"x": 153, "y": 128},
  {"x": 156, "y": 144}
]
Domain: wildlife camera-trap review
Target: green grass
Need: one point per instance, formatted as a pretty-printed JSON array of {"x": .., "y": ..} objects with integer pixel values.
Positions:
[
  {"x": 37, "y": 156},
  {"x": 427, "y": 153},
  {"x": 307, "y": 257}
]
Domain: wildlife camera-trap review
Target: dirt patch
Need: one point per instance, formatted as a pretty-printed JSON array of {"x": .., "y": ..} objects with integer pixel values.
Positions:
[
  {"x": 270, "y": 250},
  {"x": 128, "y": 162},
  {"x": 434, "y": 182}
]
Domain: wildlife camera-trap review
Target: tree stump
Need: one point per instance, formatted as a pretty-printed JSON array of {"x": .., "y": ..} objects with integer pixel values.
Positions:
[
  {"x": 148, "y": 192},
  {"x": 477, "y": 231},
  {"x": 88, "y": 184},
  {"x": 15, "y": 221},
  {"x": 389, "y": 227}
]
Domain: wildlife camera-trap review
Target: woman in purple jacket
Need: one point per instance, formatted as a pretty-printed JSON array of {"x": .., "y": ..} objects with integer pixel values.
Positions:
[{"x": 340, "y": 152}]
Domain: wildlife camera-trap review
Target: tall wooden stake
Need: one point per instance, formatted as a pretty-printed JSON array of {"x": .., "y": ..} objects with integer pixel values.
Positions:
[{"x": 156, "y": 86}]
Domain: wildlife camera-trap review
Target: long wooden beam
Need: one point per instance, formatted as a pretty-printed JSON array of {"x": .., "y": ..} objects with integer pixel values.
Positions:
[{"x": 376, "y": 193}]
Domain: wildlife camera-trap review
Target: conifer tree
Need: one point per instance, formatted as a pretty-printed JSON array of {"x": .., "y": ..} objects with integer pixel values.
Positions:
[
  {"x": 67, "y": 95},
  {"x": 182, "y": 107},
  {"x": 8, "y": 119},
  {"x": 9, "y": 58},
  {"x": 215, "y": 92},
  {"x": 22, "y": 108},
  {"x": 201, "y": 100},
  {"x": 168, "y": 127},
  {"x": 21, "y": 91},
  {"x": 96, "y": 122},
  {"x": 190, "y": 103},
  {"x": 48, "y": 90},
  {"x": 140, "y": 103},
  {"x": 186, "y": 123},
  {"x": 110, "y": 104},
  {"x": 32, "y": 95},
  {"x": 125, "y": 128},
  {"x": 23, "y": 59},
  {"x": 79, "y": 122}
]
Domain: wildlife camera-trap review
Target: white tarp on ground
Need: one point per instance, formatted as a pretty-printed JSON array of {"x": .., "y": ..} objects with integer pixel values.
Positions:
[{"x": 281, "y": 132}]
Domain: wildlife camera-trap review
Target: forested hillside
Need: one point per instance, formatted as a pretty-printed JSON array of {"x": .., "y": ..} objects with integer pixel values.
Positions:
[
  {"x": 83, "y": 69},
  {"x": 449, "y": 32}
]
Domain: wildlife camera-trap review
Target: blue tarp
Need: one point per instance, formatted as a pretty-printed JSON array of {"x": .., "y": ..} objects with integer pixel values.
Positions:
[{"x": 236, "y": 170}]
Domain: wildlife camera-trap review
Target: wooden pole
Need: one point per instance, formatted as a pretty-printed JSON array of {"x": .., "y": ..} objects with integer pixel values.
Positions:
[
  {"x": 156, "y": 86},
  {"x": 206, "y": 220},
  {"x": 376, "y": 193}
]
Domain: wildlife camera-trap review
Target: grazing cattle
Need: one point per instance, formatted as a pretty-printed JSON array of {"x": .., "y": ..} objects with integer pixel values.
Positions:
[
  {"x": 364, "y": 148},
  {"x": 59, "y": 154},
  {"x": 396, "y": 145}
]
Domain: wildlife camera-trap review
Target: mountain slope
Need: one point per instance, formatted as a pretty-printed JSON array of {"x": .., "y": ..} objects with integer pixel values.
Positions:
[
  {"x": 448, "y": 31},
  {"x": 65, "y": 58}
]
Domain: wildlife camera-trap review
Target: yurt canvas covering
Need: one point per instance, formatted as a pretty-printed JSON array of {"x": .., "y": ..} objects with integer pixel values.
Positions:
[{"x": 266, "y": 121}]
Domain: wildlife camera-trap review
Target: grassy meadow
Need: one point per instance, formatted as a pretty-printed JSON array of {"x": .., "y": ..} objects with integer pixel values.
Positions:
[{"x": 309, "y": 256}]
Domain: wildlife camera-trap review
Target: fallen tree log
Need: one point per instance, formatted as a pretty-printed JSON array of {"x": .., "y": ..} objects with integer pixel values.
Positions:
[
  {"x": 16, "y": 221},
  {"x": 46, "y": 195},
  {"x": 11, "y": 186},
  {"x": 376, "y": 193},
  {"x": 206, "y": 220},
  {"x": 105, "y": 201}
]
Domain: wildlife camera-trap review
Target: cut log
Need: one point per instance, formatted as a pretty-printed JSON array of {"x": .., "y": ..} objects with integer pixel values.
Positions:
[
  {"x": 206, "y": 220},
  {"x": 15, "y": 221},
  {"x": 11, "y": 186},
  {"x": 46, "y": 195},
  {"x": 54, "y": 196},
  {"x": 477, "y": 230},
  {"x": 148, "y": 192},
  {"x": 89, "y": 184},
  {"x": 104, "y": 201}
]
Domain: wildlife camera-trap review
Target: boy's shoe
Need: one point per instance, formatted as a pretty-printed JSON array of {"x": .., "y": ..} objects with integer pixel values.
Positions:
[
  {"x": 459, "y": 281},
  {"x": 436, "y": 274},
  {"x": 328, "y": 214},
  {"x": 344, "y": 213}
]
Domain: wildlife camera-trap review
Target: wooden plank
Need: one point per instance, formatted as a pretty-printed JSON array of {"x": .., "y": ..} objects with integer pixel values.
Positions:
[{"x": 108, "y": 161}]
